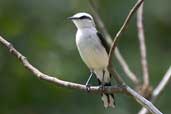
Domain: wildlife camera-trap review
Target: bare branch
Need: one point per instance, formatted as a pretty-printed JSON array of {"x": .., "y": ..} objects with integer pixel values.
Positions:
[
  {"x": 141, "y": 37},
  {"x": 144, "y": 102},
  {"x": 162, "y": 84},
  {"x": 124, "y": 26},
  {"x": 40, "y": 75},
  {"x": 94, "y": 89},
  {"x": 140, "y": 99},
  {"x": 108, "y": 37},
  {"x": 159, "y": 89}
]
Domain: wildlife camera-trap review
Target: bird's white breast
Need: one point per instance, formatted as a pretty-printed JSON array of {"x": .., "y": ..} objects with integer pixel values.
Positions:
[{"x": 91, "y": 49}]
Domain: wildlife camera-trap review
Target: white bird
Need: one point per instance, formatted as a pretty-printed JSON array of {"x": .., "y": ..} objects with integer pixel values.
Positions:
[{"x": 93, "y": 50}]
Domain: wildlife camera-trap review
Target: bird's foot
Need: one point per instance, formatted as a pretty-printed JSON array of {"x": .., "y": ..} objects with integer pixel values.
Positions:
[
  {"x": 102, "y": 87},
  {"x": 88, "y": 87}
]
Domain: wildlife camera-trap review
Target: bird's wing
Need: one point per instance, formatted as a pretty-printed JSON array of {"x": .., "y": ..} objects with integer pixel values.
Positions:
[{"x": 103, "y": 42}]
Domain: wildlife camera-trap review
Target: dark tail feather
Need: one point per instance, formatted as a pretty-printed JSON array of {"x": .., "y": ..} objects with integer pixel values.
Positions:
[{"x": 108, "y": 99}]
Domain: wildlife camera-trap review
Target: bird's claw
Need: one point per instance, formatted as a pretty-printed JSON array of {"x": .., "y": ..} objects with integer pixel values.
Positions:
[
  {"x": 88, "y": 87},
  {"x": 102, "y": 87}
]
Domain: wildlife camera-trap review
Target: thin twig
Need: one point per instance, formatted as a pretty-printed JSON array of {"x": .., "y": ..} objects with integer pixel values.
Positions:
[
  {"x": 141, "y": 37},
  {"x": 108, "y": 38},
  {"x": 124, "y": 26},
  {"x": 159, "y": 89},
  {"x": 94, "y": 89}
]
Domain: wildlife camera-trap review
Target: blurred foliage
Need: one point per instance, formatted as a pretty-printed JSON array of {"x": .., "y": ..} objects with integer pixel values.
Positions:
[{"x": 40, "y": 30}]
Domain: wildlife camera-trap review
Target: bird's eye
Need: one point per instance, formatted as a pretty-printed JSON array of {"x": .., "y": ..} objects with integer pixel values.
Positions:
[{"x": 85, "y": 17}]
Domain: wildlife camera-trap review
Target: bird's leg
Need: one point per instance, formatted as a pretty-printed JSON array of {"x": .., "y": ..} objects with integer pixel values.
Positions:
[
  {"x": 87, "y": 83},
  {"x": 103, "y": 82}
]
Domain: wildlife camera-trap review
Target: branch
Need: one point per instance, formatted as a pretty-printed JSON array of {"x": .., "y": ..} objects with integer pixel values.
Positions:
[
  {"x": 93, "y": 89},
  {"x": 141, "y": 38},
  {"x": 58, "y": 82},
  {"x": 159, "y": 89},
  {"x": 124, "y": 26},
  {"x": 108, "y": 37},
  {"x": 140, "y": 99},
  {"x": 144, "y": 102}
]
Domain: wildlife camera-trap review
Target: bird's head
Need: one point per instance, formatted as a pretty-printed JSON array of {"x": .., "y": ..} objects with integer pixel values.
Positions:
[{"x": 82, "y": 20}]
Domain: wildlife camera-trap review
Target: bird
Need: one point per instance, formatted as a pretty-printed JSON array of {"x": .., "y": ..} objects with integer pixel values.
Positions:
[{"x": 94, "y": 52}]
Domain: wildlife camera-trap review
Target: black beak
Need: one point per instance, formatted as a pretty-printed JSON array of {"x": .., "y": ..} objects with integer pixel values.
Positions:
[{"x": 72, "y": 18}]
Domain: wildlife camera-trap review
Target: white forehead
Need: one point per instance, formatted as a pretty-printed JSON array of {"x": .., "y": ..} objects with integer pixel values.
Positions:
[{"x": 78, "y": 15}]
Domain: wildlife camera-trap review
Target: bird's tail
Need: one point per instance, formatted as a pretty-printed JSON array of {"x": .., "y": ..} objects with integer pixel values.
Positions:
[{"x": 108, "y": 99}]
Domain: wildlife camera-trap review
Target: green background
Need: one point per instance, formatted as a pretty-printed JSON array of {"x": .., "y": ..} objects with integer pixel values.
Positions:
[{"x": 39, "y": 29}]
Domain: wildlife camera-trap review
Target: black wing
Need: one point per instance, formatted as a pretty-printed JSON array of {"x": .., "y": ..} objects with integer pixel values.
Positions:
[{"x": 103, "y": 41}]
